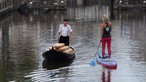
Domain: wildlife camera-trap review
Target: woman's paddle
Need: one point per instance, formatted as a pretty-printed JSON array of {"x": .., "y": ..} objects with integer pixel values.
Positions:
[{"x": 93, "y": 60}]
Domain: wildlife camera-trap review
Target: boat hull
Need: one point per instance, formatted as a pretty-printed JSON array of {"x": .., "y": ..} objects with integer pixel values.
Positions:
[
  {"x": 53, "y": 55},
  {"x": 23, "y": 9},
  {"x": 49, "y": 65}
]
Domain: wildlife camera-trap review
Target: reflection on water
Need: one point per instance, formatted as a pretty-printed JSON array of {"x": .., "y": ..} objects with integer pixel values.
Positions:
[
  {"x": 106, "y": 75},
  {"x": 54, "y": 65},
  {"x": 87, "y": 13},
  {"x": 24, "y": 39}
]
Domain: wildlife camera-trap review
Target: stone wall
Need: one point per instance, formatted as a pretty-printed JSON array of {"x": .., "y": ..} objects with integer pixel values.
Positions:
[{"x": 6, "y": 6}]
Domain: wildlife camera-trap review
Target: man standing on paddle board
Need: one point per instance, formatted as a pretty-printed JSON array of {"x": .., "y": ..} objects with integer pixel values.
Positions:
[
  {"x": 105, "y": 35},
  {"x": 64, "y": 33}
]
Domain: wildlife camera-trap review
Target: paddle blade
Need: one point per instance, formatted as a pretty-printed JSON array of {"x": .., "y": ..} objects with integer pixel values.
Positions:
[{"x": 92, "y": 62}]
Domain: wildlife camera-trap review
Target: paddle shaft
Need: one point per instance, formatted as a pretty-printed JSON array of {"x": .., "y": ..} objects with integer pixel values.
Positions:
[{"x": 97, "y": 48}]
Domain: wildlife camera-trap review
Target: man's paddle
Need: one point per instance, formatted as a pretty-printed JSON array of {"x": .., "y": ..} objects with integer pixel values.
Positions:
[{"x": 93, "y": 60}]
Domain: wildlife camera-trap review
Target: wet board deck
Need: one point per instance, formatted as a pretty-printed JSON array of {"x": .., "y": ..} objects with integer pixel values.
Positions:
[{"x": 106, "y": 62}]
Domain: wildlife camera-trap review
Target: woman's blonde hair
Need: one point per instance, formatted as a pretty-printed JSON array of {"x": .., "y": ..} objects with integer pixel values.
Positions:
[{"x": 105, "y": 18}]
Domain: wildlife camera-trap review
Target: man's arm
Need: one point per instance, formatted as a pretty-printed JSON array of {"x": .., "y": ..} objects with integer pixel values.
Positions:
[
  {"x": 58, "y": 35},
  {"x": 71, "y": 32},
  {"x": 59, "y": 31}
]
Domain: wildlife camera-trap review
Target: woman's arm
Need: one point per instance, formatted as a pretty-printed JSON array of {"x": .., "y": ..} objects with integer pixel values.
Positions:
[
  {"x": 101, "y": 30},
  {"x": 110, "y": 25}
]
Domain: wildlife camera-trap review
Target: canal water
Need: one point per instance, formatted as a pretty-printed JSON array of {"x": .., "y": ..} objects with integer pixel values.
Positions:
[{"x": 25, "y": 38}]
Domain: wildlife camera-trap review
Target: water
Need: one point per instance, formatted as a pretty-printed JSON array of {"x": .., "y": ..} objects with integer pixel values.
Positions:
[{"x": 24, "y": 39}]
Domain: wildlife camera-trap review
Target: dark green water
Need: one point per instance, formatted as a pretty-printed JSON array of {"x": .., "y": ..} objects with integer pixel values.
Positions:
[{"x": 24, "y": 39}]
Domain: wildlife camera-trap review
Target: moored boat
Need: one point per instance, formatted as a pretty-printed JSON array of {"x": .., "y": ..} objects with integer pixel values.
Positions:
[{"x": 23, "y": 9}]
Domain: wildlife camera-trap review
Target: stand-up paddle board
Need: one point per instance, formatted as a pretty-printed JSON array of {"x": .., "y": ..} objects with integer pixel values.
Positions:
[{"x": 106, "y": 62}]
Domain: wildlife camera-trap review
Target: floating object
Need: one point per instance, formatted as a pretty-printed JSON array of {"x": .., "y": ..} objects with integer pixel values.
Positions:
[
  {"x": 63, "y": 48},
  {"x": 54, "y": 54},
  {"x": 93, "y": 62},
  {"x": 106, "y": 62}
]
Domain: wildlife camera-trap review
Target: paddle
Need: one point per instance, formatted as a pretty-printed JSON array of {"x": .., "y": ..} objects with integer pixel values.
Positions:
[{"x": 93, "y": 60}]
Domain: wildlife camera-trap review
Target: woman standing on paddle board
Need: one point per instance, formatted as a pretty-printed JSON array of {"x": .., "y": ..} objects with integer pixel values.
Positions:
[
  {"x": 105, "y": 35},
  {"x": 64, "y": 33}
]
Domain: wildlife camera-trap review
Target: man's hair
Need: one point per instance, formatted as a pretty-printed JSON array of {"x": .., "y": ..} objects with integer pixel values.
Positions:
[{"x": 65, "y": 20}]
